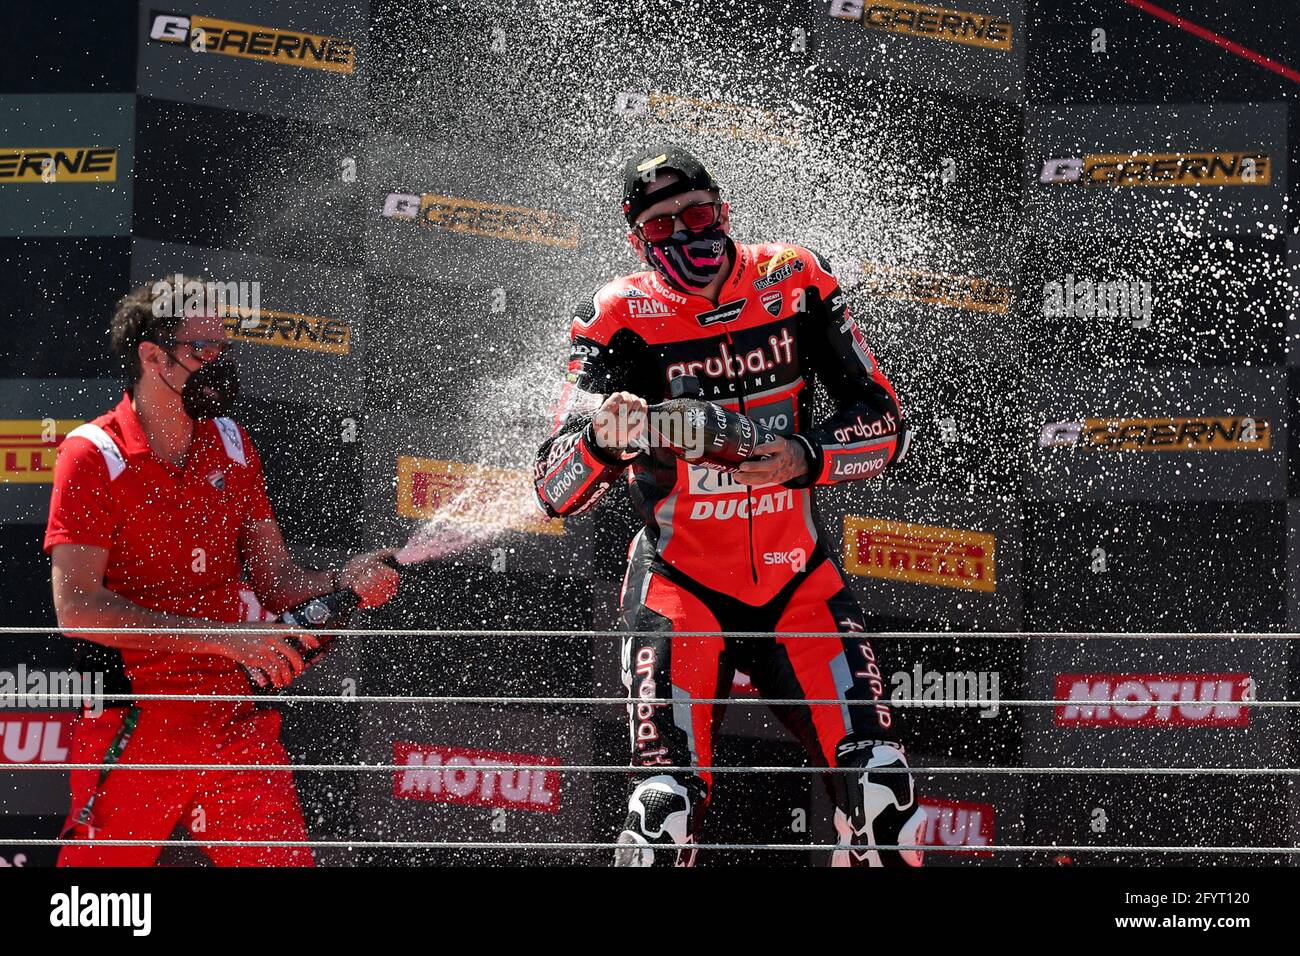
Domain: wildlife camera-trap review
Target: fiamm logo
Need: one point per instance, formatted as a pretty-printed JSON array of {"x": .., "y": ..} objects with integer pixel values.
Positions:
[
  {"x": 1160, "y": 169},
  {"x": 291, "y": 330},
  {"x": 28, "y": 448},
  {"x": 919, "y": 554},
  {"x": 268, "y": 44},
  {"x": 514, "y": 223},
  {"x": 936, "y": 23},
  {"x": 55, "y": 164},
  {"x": 936, "y": 288}
]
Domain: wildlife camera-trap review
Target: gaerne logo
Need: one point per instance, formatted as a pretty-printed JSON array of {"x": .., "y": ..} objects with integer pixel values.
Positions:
[
  {"x": 1160, "y": 169},
  {"x": 1170, "y": 700},
  {"x": 1221, "y": 433},
  {"x": 291, "y": 330},
  {"x": 54, "y": 164},
  {"x": 957, "y": 823},
  {"x": 429, "y": 486},
  {"x": 513, "y": 223},
  {"x": 459, "y": 775},
  {"x": 936, "y": 288},
  {"x": 35, "y": 738},
  {"x": 707, "y": 118},
  {"x": 919, "y": 554},
  {"x": 29, "y": 446},
  {"x": 268, "y": 44},
  {"x": 937, "y": 23}
]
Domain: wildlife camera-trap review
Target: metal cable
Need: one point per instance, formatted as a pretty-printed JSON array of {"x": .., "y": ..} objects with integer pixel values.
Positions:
[
  {"x": 611, "y": 768},
  {"x": 796, "y": 847},
  {"x": 880, "y": 635},
  {"x": 905, "y": 703}
]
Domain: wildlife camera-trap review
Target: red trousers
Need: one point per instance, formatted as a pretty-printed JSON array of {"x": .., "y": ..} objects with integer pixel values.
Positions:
[{"x": 214, "y": 805}]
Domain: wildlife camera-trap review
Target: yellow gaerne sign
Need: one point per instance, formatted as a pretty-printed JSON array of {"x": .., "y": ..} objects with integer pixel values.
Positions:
[
  {"x": 29, "y": 446},
  {"x": 58, "y": 164},
  {"x": 502, "y": 498},
  {"x": 514, "y": 223},
  {"x": 1206, "y": 433},
  {"x": 291, "y": 330},
  {"x": 252, "y": 42},
  {"x": 920, "y": 554},
  {"x": 921, "y": 20},
  {"x": 936, "y": 288},
  {"x": 1161, "y": 169}
]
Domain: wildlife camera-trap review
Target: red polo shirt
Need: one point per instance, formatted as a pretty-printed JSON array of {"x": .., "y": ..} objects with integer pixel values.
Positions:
[{"x": 173, "y": 535}]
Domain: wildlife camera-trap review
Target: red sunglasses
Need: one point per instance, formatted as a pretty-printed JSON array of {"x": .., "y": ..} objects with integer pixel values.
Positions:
[{"x": 695, "y": 217}]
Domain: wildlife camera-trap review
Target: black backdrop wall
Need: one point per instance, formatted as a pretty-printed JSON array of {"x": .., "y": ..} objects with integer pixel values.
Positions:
[{"x": 409, "y": 353}]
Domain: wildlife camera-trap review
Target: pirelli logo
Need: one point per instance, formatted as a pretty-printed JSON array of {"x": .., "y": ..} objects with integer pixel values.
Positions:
[
  {"x": 249, "y": 41},
  {"x": 1161, "y": 169},
  {"x": 1206, "y": 433},
  {"x": 291, "y": 330},
  {"x": 477, "y": 494},
  {"x": 512, "y": 223},
  {"x": 29, "y": 447},
  {"x": 936, "y": 288},
  {"x": 920, "y": 554},
  {"x": 57, "y": 164},
  {"x": 768, "y": 266},
  {"x": 920, "y": 20}
]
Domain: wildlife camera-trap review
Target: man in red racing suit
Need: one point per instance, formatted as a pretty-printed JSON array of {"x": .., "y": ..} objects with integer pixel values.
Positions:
[{"x": 759, "y": 326}]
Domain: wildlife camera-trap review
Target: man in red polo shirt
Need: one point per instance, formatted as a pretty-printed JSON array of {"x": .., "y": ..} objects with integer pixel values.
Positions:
[{"x": 159, "y": 519}]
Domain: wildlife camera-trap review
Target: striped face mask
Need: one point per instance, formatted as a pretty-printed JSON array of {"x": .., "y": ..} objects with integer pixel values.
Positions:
[{"x": 690, "y": 260}]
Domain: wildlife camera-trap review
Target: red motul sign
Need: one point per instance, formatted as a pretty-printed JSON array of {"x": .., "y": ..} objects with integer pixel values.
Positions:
[
  {"x": 1181, "y": 700},
  {"x": 35, "y": 738},
  {"x": 957, "y": 823},
  {"x": 459, "y": 775}
]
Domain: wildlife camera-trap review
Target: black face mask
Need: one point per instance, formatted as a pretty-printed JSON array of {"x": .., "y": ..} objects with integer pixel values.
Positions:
[
  {"x": 211, "y": 390},
  {"x": 691, "y": 260}
]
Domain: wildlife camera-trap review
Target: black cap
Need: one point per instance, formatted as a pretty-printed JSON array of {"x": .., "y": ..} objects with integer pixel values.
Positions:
[{"x": 642, "y": 168}]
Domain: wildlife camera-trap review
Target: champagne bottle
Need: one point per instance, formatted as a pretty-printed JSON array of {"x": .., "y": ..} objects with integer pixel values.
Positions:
[
  {"x": 704, "y": 432},
  {"x": 328, "y": 612}
]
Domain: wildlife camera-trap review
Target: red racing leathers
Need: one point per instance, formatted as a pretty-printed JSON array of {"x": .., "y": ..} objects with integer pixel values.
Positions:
[
  {"x": 781, "y": 325},
  {"x": 719, "y": 556}
]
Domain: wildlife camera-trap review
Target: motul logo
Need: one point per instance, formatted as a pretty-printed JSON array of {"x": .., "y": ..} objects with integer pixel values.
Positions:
[
  {"x": 457, "y": 775},
  {"x": 35, "y": 738},
  {"x": 1182, "y": 700},
  {"x": 950, "y": 823}
]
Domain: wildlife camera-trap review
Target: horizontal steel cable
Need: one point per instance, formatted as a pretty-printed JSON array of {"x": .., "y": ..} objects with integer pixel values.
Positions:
[
  {"x": 910, "y": 702},
  {"x": 796, "y": 847},
  {"x": 574, "y": 632},
  {"x": 657, "y": 768}
]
